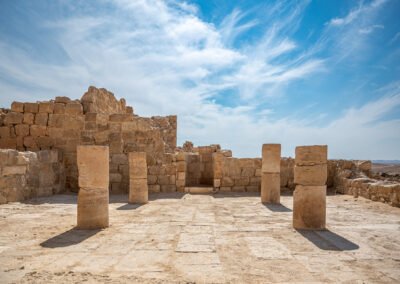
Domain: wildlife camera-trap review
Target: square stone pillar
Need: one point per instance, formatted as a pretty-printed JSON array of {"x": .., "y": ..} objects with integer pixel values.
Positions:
[
  {"x": 93, "y": 196},
  {"x": 270, "y": 173},
  {"x": 138, "y": 188},
  {"x": 309, "y": 197}
]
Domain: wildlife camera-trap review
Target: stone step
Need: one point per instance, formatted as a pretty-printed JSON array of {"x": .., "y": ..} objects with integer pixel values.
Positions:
[{"x": 199, "y": 189}]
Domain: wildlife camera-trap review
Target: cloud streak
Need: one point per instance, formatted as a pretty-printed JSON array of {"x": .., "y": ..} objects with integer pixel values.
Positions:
[{"x": 164, "y": 59}]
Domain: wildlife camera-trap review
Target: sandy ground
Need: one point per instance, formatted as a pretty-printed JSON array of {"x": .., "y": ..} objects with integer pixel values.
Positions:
[{"x": 199, "y": 238}]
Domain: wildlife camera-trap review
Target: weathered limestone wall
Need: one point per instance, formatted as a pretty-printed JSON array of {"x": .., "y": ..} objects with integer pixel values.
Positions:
[
  {"x": 238, "y": 174},
  {"x": 97, "y": 119},
  {"x": 354, "y": 178},
  {"x": 162, "y": 175},
  {"x": 235, "y": 174},
  {"x": 25, "y": 175}
]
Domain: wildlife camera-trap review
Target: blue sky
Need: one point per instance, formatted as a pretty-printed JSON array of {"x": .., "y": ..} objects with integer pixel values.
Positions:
[{"x": 237, "y": 73}]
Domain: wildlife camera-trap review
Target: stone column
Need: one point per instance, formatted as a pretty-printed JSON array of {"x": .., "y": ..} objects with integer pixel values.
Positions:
[
  {"x": 309, "y": 197},
  {"x": 271, "y": 173},
  {"x": 93, "y": 196},
  {"x": 138, "y": 189}
]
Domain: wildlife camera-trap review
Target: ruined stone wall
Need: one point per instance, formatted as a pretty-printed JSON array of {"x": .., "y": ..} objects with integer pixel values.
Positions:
[
  {"x": 354, "y": 178},
  {"x": 25, "y": 175},
  {"x": 236, "y": 174},
  {"x": 162, "y": 175},
  {"x": 97, "y": 119},
  {"x": 244, "y": 174}
]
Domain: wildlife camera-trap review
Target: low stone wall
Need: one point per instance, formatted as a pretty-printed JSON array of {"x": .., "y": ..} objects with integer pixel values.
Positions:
[
  {"x": 353, "y": 178},
  {"x": 236, "y": 174},
  {"x": 244, "y": 174},
  {"x": 25, "y": 175}
]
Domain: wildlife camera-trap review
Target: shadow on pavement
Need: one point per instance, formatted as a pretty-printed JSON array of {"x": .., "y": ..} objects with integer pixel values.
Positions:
[
  {"x": 327, "y": 240},
  {"x": 71, "y": 237},
  {"x": 277, "y": 207},
  {"x": 129, "y": 206}
]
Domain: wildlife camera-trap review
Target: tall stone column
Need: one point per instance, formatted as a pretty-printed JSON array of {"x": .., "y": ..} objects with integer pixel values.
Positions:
[
  {"x": 309, "y": 197},
  {"x": 271, "y": 173},
  {"x": 138, "y": 189},
  {"x": 93, "y": 196}
]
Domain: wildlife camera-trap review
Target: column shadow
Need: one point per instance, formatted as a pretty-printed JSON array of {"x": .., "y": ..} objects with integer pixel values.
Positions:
[
  {"x": 277, "y": 207},
  {"x": 328, "y": 240},
  {"x": 129, "y": 206},
  {"x": 71, "y": 237}
]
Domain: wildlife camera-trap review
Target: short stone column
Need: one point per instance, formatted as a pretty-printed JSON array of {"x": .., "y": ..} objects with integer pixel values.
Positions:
[
  {"x": 271, "y": 173},
  {"x": 138, "y": 189},
  {"x": 309, "y": 197},
  {"x": 93, "y": 196}
]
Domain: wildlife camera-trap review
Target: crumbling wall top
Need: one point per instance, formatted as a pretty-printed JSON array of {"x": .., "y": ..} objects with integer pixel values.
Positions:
[{"x": 103, "y": 101}]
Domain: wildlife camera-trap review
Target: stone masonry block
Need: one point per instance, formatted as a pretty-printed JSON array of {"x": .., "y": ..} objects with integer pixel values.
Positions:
[
  {"x": 38, "y": 130},
  {"x": 181, "y": 166},
  {"x": 41, "y": 119},
  {"x": 309, "y": 207},
  {"x": 271, "y": 158},
  {"x": 5, "y": 132},
  {"x": 181, "y": 175},
  {"x": 138, "y": 191},
  {"x": 154, "y": 188},
  {"x": 56, "y": 120},
  {"x": 8, "y": 143},
  {"x": 93, "y": 207},
  {"x": 73, "y": 108},
  {"x": 311, "y": 175},
  {"x": 137, "y": 165},
  {"x": 311, "y": 155},
  {"x": 31, "y": 107},
  {"x": 17, "y": 107},
  {"x": 13, "y": 118},
  {"x": 59, "y": 108},
  {"x": 14, "y": 170},
  {"x": 22, "y": 130},
  {"x": 63, "y": 100},
  {"x": 119, "y": 159},
  {"x": 270, "y": 187},
  {"x": 93, "y": 166},
  {"x": 46, "y": 107},
  {"x": 30, "y": 142},
  {"x": 44, "y": 142},
  {"x": 29, "y": 118},
  {"x": 117, "y": 117}
]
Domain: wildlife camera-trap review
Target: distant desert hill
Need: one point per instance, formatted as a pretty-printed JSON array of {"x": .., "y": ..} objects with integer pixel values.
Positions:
[{"x": 386, "y": 166}]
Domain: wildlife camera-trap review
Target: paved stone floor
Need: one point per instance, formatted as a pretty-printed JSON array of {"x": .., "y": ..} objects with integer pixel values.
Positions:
[{"x": 199, "y": 238}]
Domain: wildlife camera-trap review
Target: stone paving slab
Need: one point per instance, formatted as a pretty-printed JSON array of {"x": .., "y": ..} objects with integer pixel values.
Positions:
[{"x": 220, "y": 238}]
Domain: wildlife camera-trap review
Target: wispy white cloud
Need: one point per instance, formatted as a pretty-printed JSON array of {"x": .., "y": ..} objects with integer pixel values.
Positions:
[
  {"x": 356, "y": 13},
  {"x": 231, "y": 28},
  {"x": 164, "y": 59},
  {"x": 370, "y": 29},
  {"x": 348, "y": 36},
  {"x": 395, "y": 38}
]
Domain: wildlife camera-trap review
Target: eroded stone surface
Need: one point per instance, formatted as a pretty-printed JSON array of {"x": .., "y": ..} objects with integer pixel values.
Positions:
[{"x": 199, "y": 238}]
